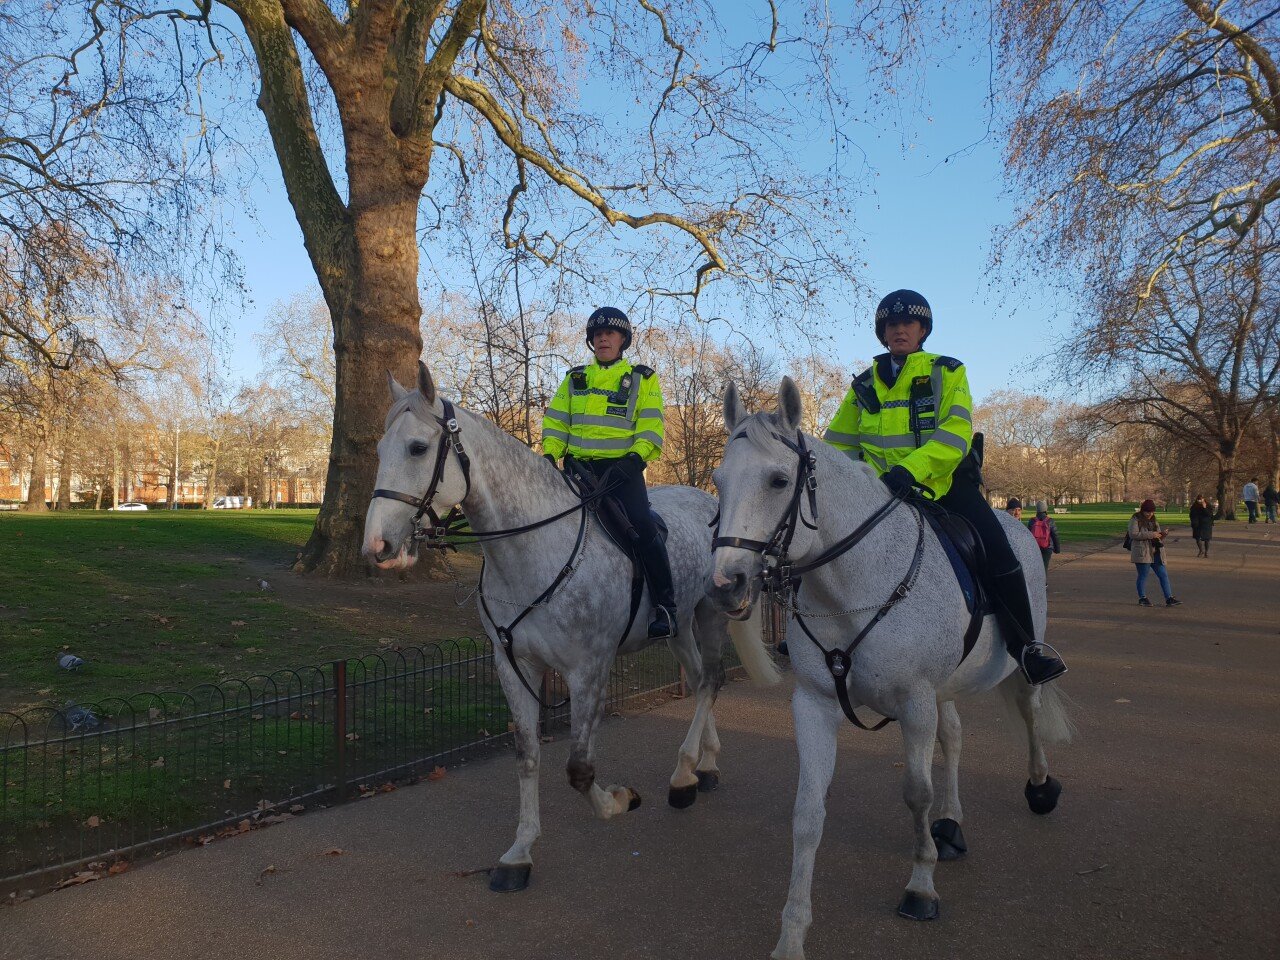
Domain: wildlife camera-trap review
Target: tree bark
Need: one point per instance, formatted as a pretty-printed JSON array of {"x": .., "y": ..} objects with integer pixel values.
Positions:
[
  {"x": 36, "y": 502},
  {"x": 213, "y": 474},
  {"x": 64, "y": 481},
  {"x": 1226, "y": 484}
]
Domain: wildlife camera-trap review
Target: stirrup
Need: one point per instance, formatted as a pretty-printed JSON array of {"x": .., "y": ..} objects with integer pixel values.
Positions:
[
  {"x": 1056, "y": 665},
  {"x": 663, "y": 624}
]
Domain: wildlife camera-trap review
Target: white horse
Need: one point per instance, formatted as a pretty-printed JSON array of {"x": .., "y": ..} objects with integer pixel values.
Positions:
[
  {"x": 910, "y": 666},
  {"x": 578, "y": 627}
]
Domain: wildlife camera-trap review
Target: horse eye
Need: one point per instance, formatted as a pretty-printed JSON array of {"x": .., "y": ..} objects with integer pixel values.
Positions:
[
  {"x": 418, "y": 448},
  {"x": 778, "y": 482}
]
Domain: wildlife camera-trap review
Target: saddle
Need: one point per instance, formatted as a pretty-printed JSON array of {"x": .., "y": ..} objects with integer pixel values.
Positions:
[
  {"x": 968, "y": 559},
  {"x": 613, "y": 518}
]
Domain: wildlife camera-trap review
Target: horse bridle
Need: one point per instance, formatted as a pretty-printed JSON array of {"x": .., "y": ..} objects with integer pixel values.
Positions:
[
  {"x": 781, "y": 577},
  {"x": 440, "y": 528}
]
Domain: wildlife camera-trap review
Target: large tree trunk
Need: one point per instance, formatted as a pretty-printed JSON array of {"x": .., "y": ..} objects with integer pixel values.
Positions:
[
  {"x": 64, "y": 482},
  {"x": 378, "y": 332},
  {"x": 36, "y": 502},
  {"x": 1226, "y": 488}
]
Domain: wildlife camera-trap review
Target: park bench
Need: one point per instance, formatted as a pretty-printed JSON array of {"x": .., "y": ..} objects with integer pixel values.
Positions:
[{"x": 1059, "y": 509}]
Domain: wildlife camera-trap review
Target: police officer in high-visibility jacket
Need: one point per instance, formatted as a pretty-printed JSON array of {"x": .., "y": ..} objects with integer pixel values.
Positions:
[
  {"x": 607, "y": 415},
  {"x": 909, "y": 417}
]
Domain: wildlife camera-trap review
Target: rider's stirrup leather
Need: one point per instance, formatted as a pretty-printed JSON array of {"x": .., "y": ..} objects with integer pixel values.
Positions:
[
  {"x": 663, "y": 623},
  {"x": 1039, "y": 667}
]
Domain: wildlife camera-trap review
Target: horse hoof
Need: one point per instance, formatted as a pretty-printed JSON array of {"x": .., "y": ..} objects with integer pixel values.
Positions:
[
  {"x": 949, "y": 839},
  {"x": 708, "y": 780},
  {"x": 916, "y": 906},
  {"x": 1044, "y": 798},
  {"x": 509, "y": 879},
  {"x": 682, "y": 797},
  {"x": 634, "y": 802}
]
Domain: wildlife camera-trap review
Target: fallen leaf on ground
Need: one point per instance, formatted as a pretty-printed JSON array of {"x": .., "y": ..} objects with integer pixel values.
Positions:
[
  {"x": 158, "y": 762},
  {"x": 84, "y": 876},
  {"x": 237, "y": 623},
  {"x": 353, "y": 736},
  {"x": 334, "y": 852},
  {"x": 263, "y": 874},
  {"x": 436, "y": 774},
  {"x": 226, "y": 784},
  {"x": 94, "y": 821},
  {"x": 297, "y": 808},
  {"x": 205, "y": 840},
  {"x": 153, "y": 712},
  {"x": 387, "y": 787},
  {"x": 1081, "y": 873},
  {"x": 471, "y": 923},
  {"x": 1124, "y": 700},
  {"x": 119, "y": 867}
]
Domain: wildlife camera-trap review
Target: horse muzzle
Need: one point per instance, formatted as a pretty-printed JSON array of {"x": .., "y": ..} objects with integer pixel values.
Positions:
[
  {"x": 733, "y": 593},
  {"x": 386, "y": 556}
]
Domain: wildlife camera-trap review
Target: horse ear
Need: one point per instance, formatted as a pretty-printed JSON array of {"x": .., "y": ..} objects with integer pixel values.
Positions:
[
  {"x": 397, "y": 392},
  {"x": 790, "y": 405},
  {"x": 734, "y": 411},
  {"x": 426, "y": 386}
]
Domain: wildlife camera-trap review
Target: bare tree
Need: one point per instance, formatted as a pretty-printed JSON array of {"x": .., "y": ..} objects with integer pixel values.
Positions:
[{"x": 1142, "y": 133}]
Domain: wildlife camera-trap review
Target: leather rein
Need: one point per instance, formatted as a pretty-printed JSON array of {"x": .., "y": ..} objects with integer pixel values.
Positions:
[{"x": 782, "y": 578}]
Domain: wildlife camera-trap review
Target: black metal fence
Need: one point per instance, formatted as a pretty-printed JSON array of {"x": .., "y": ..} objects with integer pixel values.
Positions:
[{"x": 107, "y": 781}]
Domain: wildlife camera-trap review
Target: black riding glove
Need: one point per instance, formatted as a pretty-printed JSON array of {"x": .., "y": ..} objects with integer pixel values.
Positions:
[
  {"x": 899, "y": 480},
  {"x": 631, "y": 465},
  {"x": 550, "y": 459}
]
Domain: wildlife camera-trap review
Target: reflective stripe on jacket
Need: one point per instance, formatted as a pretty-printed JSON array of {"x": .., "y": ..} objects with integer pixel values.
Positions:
[
  {"x": 601, "y": 412},
  {"x": 923, "y": 421}
]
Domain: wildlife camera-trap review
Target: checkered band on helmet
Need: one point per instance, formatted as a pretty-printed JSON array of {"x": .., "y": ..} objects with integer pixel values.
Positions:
[
  {"x": 609, "y": 318},
  {"x": 906, "y": 304}
]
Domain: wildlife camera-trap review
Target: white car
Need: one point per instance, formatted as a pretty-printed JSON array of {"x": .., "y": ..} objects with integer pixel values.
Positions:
[{"x": 131, "y": 505}]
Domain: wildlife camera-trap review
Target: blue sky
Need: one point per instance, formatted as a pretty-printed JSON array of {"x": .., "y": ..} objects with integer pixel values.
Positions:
[{"x": 927, "y": 224}]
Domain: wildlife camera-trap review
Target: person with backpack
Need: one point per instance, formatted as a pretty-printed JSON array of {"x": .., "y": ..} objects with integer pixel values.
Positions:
[
  {"x": 1045, "y": 531},
  {"x": 1270, "y": 498},
  {"x": 1146, "y": 550}
]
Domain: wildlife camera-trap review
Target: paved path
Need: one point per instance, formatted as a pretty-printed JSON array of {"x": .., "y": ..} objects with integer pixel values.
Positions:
[{"x": 1164, "y": 845}]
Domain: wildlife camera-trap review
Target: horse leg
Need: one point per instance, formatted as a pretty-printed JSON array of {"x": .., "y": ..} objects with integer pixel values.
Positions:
[
  {"x": 514, "y": 867},
  {"x": 712, "y": 633},
  {"x": 684, "y": 782},
  {"x": 816, "y": 722},
  {"x": 946, "y": 829},
  {"x": 919, "y": 722},
  {"x": 586, "y": 711},
  {"x": 1042, "y": 791}
]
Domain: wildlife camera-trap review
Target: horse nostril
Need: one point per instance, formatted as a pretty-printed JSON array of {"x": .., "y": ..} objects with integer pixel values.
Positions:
[{"x": 383, "y": 551}]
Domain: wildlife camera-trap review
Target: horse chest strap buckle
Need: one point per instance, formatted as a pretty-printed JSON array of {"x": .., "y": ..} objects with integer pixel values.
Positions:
[{"x": 838, "y": 663}]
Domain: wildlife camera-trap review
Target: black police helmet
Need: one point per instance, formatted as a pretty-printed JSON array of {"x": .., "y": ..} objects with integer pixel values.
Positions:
[
  {"x": 609, "y": 318},
  {"x": 904, "y": 303}
]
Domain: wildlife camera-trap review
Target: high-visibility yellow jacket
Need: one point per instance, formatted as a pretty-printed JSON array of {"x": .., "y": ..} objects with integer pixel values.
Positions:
[
  {"x": 605, "y": 411},
  {"x": 920, "y": 419}
]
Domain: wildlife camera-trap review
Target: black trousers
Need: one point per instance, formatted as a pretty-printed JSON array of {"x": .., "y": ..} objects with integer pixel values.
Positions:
[
  {"x": 633, "y": 496},
  {"x": 1004, "y": 572}
]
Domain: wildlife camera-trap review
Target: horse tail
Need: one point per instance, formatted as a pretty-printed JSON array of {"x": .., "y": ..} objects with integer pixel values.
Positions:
[
  {"x": 748, "y": 640},
  {"x": 1053, "y": 709}
]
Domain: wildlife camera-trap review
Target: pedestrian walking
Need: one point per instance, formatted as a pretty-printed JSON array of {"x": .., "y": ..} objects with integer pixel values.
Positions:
[
  {"x": 1250, "y": 497},
  {"x": 1146, "y": 550},
  {"x": 1201, "y": 525},
  {"x": 1045, "y": 531},
  {"x": 1270, "y": 498},
  {"x": 1014, "y": 508}
]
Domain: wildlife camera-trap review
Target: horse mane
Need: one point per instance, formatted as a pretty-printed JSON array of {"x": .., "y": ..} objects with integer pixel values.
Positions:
[{"x": 415, "y": 403}]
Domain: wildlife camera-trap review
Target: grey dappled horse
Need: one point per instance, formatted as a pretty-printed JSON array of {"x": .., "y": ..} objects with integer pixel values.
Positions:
[
  {"x": 500, "y": 484},
  {"x": 908, "y": 666}
]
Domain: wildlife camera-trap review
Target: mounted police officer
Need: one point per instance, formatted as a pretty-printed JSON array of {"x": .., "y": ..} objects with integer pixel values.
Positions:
[
  {"x": 908, "y": 416},
  {"x": 607, "y": 417}
]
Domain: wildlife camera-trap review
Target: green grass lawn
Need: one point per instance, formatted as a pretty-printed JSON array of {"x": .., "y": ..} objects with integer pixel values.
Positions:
[
  {"x": 157, "y": 600},
  {"x": 1090, "y": 525}
]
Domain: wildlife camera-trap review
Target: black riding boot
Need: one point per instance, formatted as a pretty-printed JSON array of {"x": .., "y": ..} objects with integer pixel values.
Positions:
[
  {"x": 1014, "y": 605},
  {"x": 657, "y": 571}
]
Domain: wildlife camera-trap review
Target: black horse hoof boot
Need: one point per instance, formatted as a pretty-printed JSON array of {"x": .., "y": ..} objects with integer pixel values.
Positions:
[
  {"x": 1044, "y": 798},
  {"x": 682, "y": 797},
  {"x": 708, "y": 780},
  {"x": 916, "y": 906},
  {"x": 509, "y": 879},
  {"x": 663, "y": 623},
  {"x": 949, "y": 839}
]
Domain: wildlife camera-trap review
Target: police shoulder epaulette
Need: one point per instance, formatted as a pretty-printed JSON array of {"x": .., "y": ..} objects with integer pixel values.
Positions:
[
  {"x": 644, "y": 371},
  {"x": 951, "y": 363}
]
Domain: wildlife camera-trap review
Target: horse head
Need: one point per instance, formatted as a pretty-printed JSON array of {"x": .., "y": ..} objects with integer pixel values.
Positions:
[
  {"x": 762, "y": 500},
  {"x": 409, "y": 456}
]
